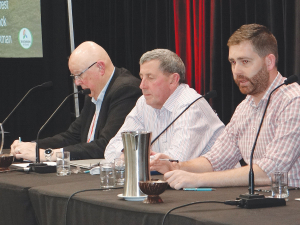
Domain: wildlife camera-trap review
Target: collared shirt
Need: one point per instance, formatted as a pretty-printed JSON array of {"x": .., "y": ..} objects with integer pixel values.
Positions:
[
  {"x": 98, "y": 103},
  {"x": 190, "y": 136},
  {"x": 278, "y": 144}
]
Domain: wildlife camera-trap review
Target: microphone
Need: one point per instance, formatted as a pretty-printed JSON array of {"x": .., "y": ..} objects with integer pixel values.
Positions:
[
  {"x": 291, "y": 79},
  {"x": 44, "y": 85},
  {"x": 43, "y": 167},
  {"x": 252, "y": 200},
  {"x": 210, "y": 94}
]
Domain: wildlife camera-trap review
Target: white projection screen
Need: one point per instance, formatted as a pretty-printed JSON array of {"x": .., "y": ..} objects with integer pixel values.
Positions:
[{"x": 20, "y": 29}]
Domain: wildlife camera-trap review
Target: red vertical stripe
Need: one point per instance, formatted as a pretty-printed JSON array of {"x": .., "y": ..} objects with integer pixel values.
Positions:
[
  {"x": 188, "y": 44},
  {"x": 197, "y": 44},
  {"x": 202, "y": 27},
  {"x": 176, "y": 27},
  {"x": 190, "y": 38},
  {"x": 212, "y": 22},
  {"x": 183, "y": 42}
]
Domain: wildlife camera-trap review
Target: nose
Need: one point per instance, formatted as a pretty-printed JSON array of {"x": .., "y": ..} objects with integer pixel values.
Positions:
[
  {"x": 143, "y": 84},
  {"x": 236, "y": 69}
]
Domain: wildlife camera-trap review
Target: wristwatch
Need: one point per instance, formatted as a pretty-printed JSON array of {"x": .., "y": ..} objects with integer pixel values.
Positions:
[{"x": 48, "y": 153}]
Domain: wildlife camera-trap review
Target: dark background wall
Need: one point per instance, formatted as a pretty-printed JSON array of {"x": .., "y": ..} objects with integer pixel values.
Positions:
[{"x": 127, "y": 29}]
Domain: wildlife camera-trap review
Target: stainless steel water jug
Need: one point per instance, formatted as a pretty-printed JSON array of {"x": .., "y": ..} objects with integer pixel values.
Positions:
[{"x": 136, "y": 155}]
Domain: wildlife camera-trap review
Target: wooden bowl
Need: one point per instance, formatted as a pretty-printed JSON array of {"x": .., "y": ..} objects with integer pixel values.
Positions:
[
  {"x": 153, "y": 188},
  {"x": 5, "y": 161}
]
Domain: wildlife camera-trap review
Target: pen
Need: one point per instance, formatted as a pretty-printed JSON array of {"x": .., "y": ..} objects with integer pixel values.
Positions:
[
  {"x": 199, "y": 189},
  {"x": 93, "y": 165},
  {"x": 170, "y": 160},
  {"x": 20, "y": 139}
]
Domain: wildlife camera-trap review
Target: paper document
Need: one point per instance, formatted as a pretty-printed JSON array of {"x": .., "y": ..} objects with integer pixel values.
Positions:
[{"x": 86, "y": 163}]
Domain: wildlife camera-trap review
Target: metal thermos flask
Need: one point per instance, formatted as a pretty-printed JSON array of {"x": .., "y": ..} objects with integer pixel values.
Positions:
[{"x": 136, "y": 155}]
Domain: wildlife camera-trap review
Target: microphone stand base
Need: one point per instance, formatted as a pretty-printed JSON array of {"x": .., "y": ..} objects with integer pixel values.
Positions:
[
  {"x": 42, "y": 168},
  {"x": 252, "y": 201},
  {"x": 251, "y": 196}
]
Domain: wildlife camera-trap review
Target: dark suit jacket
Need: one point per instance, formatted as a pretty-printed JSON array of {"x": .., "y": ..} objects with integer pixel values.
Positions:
[{"x": 120, "y": 97}]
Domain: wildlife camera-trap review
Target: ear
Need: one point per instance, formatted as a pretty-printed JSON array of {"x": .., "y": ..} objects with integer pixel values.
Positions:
[
  {"x": 101, "y": 66},
  {"x": 174, "y": 79},
  {"x": 270, "y": 61}
]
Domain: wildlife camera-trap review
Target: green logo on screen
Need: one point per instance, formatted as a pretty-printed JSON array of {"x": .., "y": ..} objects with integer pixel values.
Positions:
[{"x": 25, "y": 38}]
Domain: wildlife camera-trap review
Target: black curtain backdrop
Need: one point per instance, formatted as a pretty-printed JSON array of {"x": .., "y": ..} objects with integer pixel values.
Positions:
[
  {"x": 18, "y": 75},
  {"x": 127, "y": 29},
  {"x": 280, "y": 16},
  {"x": 221, "y": 19}
]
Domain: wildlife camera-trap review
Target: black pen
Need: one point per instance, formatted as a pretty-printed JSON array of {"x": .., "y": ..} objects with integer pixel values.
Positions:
[{"x": 170, "y": 160}]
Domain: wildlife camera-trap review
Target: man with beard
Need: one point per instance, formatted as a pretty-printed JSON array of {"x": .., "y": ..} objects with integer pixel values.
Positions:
[{"x": 253, "y": 55}]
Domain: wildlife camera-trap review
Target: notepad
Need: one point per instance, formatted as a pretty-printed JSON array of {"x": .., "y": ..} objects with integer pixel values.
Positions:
[{"x": 86, "y": 163}]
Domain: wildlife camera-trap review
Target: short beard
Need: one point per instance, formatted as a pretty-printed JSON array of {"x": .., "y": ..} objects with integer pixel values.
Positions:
[{"x": 258, "y": 83}]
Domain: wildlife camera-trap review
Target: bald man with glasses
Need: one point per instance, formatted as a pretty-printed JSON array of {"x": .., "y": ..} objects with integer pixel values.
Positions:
[{"x": 114, "y": 92}]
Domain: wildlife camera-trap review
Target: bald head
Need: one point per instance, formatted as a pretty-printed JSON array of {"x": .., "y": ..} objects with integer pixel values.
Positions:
[
  {"x": 96, "y": 77},
  {"x": 89, "y": 52}
]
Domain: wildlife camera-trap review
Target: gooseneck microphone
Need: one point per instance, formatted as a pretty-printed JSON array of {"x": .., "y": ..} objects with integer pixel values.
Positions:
[
  {"x": 252, "y": 200},
  {"x": 44, "y": 85},
  {"x": 38, "y": 166},
  {"x": 210, "y": 94}
]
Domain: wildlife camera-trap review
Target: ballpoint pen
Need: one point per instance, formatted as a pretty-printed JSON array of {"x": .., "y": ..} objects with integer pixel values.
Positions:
[
  {"x": 170, "y": 160},
  {"x": 93, "y": 165},
  {"x": 199, "y": 189}
]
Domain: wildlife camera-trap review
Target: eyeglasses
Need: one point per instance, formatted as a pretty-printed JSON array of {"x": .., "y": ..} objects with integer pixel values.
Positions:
[{"x": 78, "y": 77}]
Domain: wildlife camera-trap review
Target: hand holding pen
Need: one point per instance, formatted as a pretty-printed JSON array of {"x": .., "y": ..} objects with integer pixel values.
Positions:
[{"x": 162, "y": 163}]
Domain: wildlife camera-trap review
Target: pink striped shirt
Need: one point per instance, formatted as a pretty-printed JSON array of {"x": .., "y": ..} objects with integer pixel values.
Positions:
[{"x": 278, "y": 144}]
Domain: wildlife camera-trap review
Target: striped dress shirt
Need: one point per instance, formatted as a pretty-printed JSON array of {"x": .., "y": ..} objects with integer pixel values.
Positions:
[
  {"x": 190, "y": 136},
  {"x": 278, "y": 144}
]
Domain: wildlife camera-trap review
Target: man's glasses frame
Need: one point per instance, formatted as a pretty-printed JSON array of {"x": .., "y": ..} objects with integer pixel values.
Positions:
[{"x": 78, "y": 77}]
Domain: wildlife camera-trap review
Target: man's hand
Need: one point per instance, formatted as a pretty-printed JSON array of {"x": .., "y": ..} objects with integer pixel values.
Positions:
[
  {"x": 180, "y": 179},
  {"x": 13, "y": 146},
  {"x": 25, "y": 150},
  {"x": 163, "y": 166}
]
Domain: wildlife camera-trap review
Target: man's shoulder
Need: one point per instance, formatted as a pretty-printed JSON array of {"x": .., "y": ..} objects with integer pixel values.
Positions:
[
  {"x": 291, "y": 91},
  {"x": 123, "y": 76},
  {"x": 186, "y": 94}
]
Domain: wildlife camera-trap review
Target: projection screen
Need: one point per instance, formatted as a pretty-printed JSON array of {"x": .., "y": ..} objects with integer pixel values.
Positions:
[{"x": 20, "y": 29}]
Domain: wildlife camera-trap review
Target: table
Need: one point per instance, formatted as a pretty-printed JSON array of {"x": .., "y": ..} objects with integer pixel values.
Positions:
[{"x": 41, "y": 199}]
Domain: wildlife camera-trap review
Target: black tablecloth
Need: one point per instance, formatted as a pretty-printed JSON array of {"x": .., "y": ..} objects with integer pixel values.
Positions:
[
  {"x": 41, "y": 199},
  {"x": 104, "y": 207},
  {"x": 15, "y": 205}
]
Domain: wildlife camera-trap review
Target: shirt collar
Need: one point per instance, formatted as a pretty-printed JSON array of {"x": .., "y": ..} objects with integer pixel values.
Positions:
[{"x": 102, "y": 93}]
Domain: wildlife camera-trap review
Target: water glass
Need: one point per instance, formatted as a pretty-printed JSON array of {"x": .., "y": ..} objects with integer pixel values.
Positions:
[
  {"x": 63, "y": 163},
  {"x": 107, "y": 175},
  {"x": 119, "y": 171},
  {"x": 279, "y": 184}
]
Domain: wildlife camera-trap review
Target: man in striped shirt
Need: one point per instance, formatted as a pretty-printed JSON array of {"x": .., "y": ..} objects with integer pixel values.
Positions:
[
  {"x": 165, "y": 96},
  {"x": 253, "y": 55}
]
